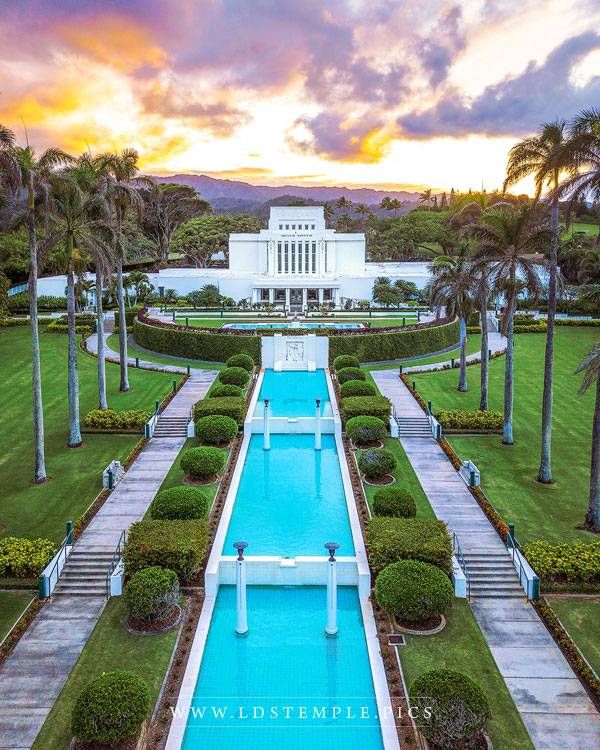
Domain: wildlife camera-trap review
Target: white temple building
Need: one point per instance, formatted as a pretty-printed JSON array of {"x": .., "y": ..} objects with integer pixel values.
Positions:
[{"x": 295, "y": 262}]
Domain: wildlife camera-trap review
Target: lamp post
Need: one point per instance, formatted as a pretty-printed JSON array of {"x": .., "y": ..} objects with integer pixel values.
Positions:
[
  {"x": 331, "y": 627},
  {"x": 240, "y": 589},
  {"x": 266, "y": 433},
  {"x": 318, "y": 425}
]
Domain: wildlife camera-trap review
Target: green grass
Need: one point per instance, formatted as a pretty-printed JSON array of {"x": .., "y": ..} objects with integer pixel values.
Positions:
[
  {"x": 219, "y": 322},
  {"x": 581, "y": 617},
  {"x": 12, "y": 605},
  {"x": 109, "y": 648},
  {"x": 76, "y": 475},
  {"x": 508, "y": 473},
  {"x": 473, "y": 346},
  {"x": 405, "y": 478},
  {"x": 160, "y": 359},
  {"x": 461, "y": 646},
  {"x": 591, "y": 230}
]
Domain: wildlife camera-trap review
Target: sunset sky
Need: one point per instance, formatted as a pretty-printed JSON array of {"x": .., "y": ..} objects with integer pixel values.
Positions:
[{"x": 372, "y": 92}]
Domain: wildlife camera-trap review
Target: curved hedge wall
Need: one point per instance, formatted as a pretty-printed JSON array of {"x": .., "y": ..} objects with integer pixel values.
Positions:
[{"x": 367, "y": 346}]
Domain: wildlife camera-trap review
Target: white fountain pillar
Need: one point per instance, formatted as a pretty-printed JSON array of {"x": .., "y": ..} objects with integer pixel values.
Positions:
[
  {"x": 318, "y": 425},
  {"x": 241, "y": 626},
  {"x": 331, "y": 627},
  {"x": 266, "y": 427}
]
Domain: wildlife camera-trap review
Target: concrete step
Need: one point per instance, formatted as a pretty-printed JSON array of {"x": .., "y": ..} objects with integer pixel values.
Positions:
[
  {"x": 80, "y": 575},
  {"x": 78, "y": 589},
  {"x": 498, "y": 588}
]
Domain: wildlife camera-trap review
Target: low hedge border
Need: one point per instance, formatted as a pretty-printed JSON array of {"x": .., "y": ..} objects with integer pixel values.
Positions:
[
  {"x": 459, "y": 421},
  {"x": 570, "y": 567},
  {"x": 415, "y": 369},
  {"x": 594, "y": 323},
  {"x": 572, "y": 654}
]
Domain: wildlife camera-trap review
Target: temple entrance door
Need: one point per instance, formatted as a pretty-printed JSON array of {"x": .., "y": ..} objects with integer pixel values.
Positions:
[{"x": 296, "y": 300}]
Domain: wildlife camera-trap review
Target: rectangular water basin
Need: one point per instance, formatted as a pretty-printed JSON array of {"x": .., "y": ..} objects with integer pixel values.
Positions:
[
  {"x": 293, "y": 325},
  {"x": 290, "y": 499},
  {"x": 293, "y": 393},
  {"x": 279, "y": 686}
]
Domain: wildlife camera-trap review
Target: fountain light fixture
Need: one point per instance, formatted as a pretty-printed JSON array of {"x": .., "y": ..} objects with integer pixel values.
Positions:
[
  {"x": 240, "y": 547},
  {"x": 332, "y": 547}
]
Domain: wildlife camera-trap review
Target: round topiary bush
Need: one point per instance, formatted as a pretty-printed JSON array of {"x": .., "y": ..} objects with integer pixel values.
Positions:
[
  {"x": 365, "y": 430},
  {"x": 345, "y": 360},
  {"x": 375, "y": 463},
  {"x": 216, "y": 429},
  {"x": 179, "y": 504},
  {"x": 350, "y": 373},
  {"x": 357, "y": 388},
  {"x": 202, "y": 463},
  {"x": 234, "y": 376},
  {"x": 241, "y": 360},
  {"x": 152, "y": 594},
  {"x": 222, "y": 391},
  {"x": 394, "y": 501},
  {"x": 413, "y": 591},
  {"x": 460, "y": 710},
  {"x": 110, "y": 709}
]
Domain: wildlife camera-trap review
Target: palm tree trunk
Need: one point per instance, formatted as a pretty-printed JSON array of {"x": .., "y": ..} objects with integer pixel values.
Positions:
[
  {"x": 592, "y": 518},
  {"x": 509, "y": 374},
  {"x": 39, "y": 472},
  {"x": 124, "y": 386},
  {"x": 462, "y": 378},
  {"x": 102, "y": 402},
  {"x": 73, "y": 379},
  {"x": 545, "y": 470},
  {"x": 483, "y": 401}
]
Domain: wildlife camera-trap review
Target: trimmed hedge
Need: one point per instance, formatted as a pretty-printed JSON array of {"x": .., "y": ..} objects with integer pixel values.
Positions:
[
  {"x": 24, "y": 558},
  {"x": 220, "y": 391},
  {"x": 375, "y": 463},
  {"x": 594, "y": 323},
  {"x": 357, "y": 388},
  {"x": 365, "y": 406},
  {"x": 216, "y": 429},
  {"x": 110, "y": 709},
  {"x": 462, "y": 419},
  {"x": 180, "y": 503},
  {"x": 350, "y": 373},
  {"x": 176, "y": 545},
  {"x": 151, "y": 594},
  {"x": 20, "y": 303},
  {"x": 57, "y": 327},
  {"x": 413, "y": 591},
  {"x": 364, "y": 430},
  {"x": 110, "y": 420},
  {"x": 565, "y": 565},
  {"x": 459, "y": 709},
  {"x": 345, "y": 360},
  {"x": 392, "y": 539},
  {"x": 192, "y": 343},
  {"x": 202, "y": 463},
  {"x": 241, "y": 360},
  {"x": 234, "y": 376},
  {"x": 394, "y": 502},
  {"x": 130, "y": 315},
  {"x": 228, "y": 406}
]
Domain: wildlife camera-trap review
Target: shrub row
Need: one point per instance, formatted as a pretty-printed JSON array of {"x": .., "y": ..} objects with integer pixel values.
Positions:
[
  {"x": 376, "y": 463},
  {"x": 577, "y": 323},
  {"x": 566, "y": 565},
  {"x": 219, "y": 390},
  {"x": 15, "y": 322},
  {"x": 234, "y": 376},
  {"x": 365, "y": 430},
  {"x": 357, "y": 388},
  {"x": 462, "y": 419},
  {"x": 20, "y": 303},
  {"x": 228, "y": 406},
  {"x": 392, "y": 539},
  {"x": 394, "y": 502},
  {"x": 345, "y": 360},
  {"x": 241, "y": 360},
  {"x": 203, "y": 463},
  {"x": 533, "y": 328},
  {"x": 130, "y": 315},
  {"x": 57, "y": 327},
  {"x": 413, "y": 591},
  {"x": 180, "y": 503},
  {"x": 216, "y": 429},
  {"x": 365, "y": 406},
  {"x": 111, "y": 421},
  {"x": 151, "y": 594},
  {"x": 24, "y": 558}
]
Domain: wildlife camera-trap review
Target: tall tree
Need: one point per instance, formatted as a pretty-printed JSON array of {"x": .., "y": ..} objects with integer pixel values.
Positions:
[
  {"x": 544, "y": 156},
  {"x": 425, "y": 198},
  {"x": 507, "y": 236},
  {"x": 591, "y": 369},
  {"x": 27, "y": 177}
]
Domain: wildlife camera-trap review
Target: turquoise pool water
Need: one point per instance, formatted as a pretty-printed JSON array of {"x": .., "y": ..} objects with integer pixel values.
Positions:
[
  {"x": 292, "y": 325},
  {"x": 293, "y": 394},
  {"x": 291, "y": 499},
  {"x": 283, "y": 665}
]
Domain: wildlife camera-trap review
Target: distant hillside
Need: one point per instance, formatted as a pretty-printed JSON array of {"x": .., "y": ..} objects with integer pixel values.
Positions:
[{"x": 236, "y": 196}]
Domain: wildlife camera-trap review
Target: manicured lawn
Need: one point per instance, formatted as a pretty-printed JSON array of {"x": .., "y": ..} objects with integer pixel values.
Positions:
[
  {"x": 76, "y": 475},
  {"x": 392, "y": 320},
  {"x": 462, "y": 647},
  {"x": 581, "y": 617},
  {"x": 160, "y": 359},
  {"x": 509, "y": 472},
  {"x": 405, "y": 478},
  {"x": 591, "y": 230},
  {"x": 109, "y": 648},
  {"x": 12, "y": 604}
]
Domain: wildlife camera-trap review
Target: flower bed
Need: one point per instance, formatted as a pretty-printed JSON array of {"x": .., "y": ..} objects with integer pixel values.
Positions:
[
  {"x": 24, "y": 558},
  {"x": 108, "y": 420},
  {"x": 462, "y": 420},
  {"x": 565, "y": 567}
]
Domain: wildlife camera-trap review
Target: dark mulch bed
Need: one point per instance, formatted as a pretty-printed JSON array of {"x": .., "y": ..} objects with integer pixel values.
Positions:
[
  {"x": 380, "y": 481},
  {"x": 194, "y": 481},
  {"x": 158, "y": 626}
]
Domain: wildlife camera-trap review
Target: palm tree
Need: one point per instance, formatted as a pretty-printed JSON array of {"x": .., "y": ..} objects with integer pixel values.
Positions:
[
  {"x": 545, "y": 156},
  {"x": 139, "y": 280},
  {"x": 327, "y": 213},
  {"x": 27, "y": 177},
  {"x": 425, "y": 198},
  {"x": 507, "y": 236},
  {"x": 481, "y": 295},
  {"x": 591, "y": 369}
]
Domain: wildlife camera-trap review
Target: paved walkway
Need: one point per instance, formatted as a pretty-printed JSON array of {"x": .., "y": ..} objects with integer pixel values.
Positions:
[
  {"x": 33, "y": 675},
  {"x": 110, "y": 355},
  {"x": 496, "y": 342},
  {"x": 551, "y": 700}
]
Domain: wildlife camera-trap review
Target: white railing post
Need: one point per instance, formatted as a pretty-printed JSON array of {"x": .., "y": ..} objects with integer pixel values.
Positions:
[
  {"x": 241, "y": 626},
  {"x": 318, "y": 425},
  {"x": 331, "y": 627},
  {"x": 266, "y": 433}
]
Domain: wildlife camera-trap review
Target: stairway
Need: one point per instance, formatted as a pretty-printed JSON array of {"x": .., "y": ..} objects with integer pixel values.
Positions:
[
  {"x": 171, "y": 426},
  {"x": 413, "y": 426},
  {"x": 84, "y": 573},
  {"x": 492, "y": 574}
]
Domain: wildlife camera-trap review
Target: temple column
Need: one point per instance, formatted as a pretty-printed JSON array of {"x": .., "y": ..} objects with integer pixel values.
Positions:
[
  {"x": 287, "y": 298},
  {"x": 320, "y": 296},
  {"x": 271, "y": 296},
  {"x": 305, "y": 298}
]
